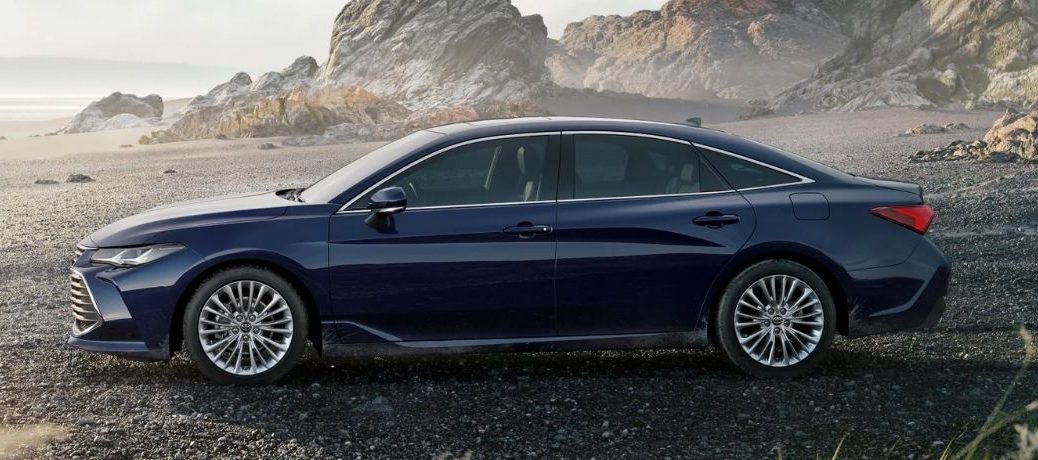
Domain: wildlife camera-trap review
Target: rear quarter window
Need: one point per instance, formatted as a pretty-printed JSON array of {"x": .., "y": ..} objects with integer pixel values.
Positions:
[{"x": 742, "y": 174}]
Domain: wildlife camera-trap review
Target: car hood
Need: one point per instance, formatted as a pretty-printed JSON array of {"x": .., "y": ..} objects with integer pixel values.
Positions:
[{"x": 148, "y": 226}]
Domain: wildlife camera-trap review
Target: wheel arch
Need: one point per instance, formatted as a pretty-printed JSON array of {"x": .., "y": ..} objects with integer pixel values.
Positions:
[
  {"x": 197, "y": 276},
  {"x": 835, "y": 278}
]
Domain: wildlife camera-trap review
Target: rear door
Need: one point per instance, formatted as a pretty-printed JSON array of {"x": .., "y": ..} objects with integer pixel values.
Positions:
[{"x": 644, "y": 225}]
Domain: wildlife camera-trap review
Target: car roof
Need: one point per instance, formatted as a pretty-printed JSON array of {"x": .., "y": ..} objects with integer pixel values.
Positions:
[
  {"x": 529, "y": 124},
  {"x": 702, "y": 137}
]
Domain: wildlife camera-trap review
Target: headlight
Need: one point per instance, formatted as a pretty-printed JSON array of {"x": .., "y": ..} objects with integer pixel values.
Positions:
[{"x": 132, "y": 257}]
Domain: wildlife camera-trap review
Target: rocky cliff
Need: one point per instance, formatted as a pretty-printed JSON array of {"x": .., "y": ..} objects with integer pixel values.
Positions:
[
  {"x": 920, "y": 53},
  {"x": 116, "y": 111},
  {"x": 438, "y": 53},
  {"x": 391, "y": 63},
  {"x": 282, "y": 103},
  {"x": 693, "y": 49}
]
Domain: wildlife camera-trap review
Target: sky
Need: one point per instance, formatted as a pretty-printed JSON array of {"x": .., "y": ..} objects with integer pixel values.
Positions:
[{"x": 252, "y": 35}]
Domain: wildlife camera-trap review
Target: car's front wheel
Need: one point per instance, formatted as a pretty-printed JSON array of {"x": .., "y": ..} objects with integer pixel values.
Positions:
[
  {"x": 775, "y": 319},
  {"x": 245, "y": 326}
]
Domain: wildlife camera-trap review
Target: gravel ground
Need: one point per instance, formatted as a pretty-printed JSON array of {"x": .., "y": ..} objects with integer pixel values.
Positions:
[{"x": 903, "y": 395}]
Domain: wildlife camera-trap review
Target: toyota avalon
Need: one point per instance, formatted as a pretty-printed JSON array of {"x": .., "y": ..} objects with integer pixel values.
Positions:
[{"x": 532, "y": 234}]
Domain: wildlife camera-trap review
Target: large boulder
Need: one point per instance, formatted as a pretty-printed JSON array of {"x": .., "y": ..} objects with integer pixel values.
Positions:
[
  {"x": 438, "y": 54},
  {"x": 116, "y": 111},
  {"x": 693, "y": 49},
  {"x": 924, "y": 53}
]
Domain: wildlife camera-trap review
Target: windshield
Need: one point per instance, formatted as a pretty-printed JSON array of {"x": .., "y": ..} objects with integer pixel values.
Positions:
[{"x": 325, "y": 190}]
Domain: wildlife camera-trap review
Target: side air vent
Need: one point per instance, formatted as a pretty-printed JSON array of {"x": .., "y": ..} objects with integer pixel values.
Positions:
[{"x": 85, "y": 316}]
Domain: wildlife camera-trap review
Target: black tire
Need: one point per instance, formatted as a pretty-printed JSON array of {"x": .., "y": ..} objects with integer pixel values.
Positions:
[
  {"x": 296, "y": 344},
  {"x": 724, "y": 321}
]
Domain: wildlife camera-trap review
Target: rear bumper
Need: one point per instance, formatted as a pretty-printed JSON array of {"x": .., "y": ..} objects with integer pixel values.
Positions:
[
  {"x": 936, "y": 312},
  {"x": 907, "y": 296}
]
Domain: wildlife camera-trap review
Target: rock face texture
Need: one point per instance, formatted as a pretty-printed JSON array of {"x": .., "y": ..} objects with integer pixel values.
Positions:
[
  {"x": 283, "y": 103},
  {"x": 116, "y": 111},
  {"x": 693, "y": 49},
  {"x": 1013, "y": 137},
  {"x": 921, "y": 53},
  {"x": 389, "y": 61},
  {"x": 438, "y": 53},
  {"x": 366, "y": 132}
]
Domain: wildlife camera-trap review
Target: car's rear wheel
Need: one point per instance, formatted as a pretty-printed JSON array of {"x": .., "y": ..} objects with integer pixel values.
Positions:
[
  {"x": 775, "y": 319},
  {"x": 245, "y": 326}
]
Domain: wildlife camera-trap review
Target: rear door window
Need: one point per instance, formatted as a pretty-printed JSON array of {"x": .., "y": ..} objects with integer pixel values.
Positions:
[
  {"x": 742, "y": 174},
  {"x": 618, "y": 166}
]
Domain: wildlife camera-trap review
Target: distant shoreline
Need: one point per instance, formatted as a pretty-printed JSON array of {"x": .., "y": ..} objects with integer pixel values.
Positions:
[{"x": 37, "y": 109}]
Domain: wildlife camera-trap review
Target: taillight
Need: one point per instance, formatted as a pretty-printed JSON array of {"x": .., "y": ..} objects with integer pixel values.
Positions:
[{"x": 916, "y": 217}]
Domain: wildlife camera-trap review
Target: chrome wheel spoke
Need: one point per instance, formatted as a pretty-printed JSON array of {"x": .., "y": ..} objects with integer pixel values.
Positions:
[
  {"x": 217, "y": 344},
  {"x": 272, "y": 313},
  {"x": 259, "y": 295},
  {"x": 779, "y": 320},
  {"x": 275, "y": 299},
  {"x": 810, "y": 338},
  {"x": 744, "y": 340},
  {"x": 245, "y": 327},
  {"x": 273, "y": 322},
  {"x": 215, "y": 324},
  {"x": 223, "y": 308},
  {"x": 757, "y": 308},
  {"x": 218, "y": 314},
  {"x": 279, "y": 346}
]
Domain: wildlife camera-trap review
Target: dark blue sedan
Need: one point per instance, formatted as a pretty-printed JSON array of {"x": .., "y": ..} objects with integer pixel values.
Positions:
[{"x": 520, "y": 235}]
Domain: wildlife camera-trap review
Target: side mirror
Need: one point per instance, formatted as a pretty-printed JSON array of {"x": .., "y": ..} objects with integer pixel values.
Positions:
[
  {"x": 390, "y": 200},
  {"x": 383, "y": 204}
]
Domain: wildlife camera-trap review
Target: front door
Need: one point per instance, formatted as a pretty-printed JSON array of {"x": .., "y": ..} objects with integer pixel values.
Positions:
[
  {"x": 472, "y": 256},
  {"x": 644, "y": 227}
]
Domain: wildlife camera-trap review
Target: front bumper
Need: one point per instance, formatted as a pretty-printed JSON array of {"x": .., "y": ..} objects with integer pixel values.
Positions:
[
  {"x": 136, "y": 306},
  {"x": 131, "y": 350}
]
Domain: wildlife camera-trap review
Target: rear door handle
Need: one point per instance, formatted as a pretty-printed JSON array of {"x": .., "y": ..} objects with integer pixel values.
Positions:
[
  {"x": 715, "y": 219},
  {"x": 528, "y": 230}
]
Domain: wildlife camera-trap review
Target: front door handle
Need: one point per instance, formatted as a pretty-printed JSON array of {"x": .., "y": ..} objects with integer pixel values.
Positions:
[
  {"x": 528, "y": 230},
  {"x": 715, "y": 219}
]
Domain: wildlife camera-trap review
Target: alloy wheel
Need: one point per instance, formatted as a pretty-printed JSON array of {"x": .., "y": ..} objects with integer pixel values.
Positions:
[
  {"x": 245, "y": 327},
  {"x": 779, "y": 320}
]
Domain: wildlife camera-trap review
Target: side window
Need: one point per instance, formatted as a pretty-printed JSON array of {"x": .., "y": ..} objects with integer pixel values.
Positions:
[
  {"x": 506, "y": 170},
  {"x": 745, "y": 174},
  {"x": 616, "y": 166}
]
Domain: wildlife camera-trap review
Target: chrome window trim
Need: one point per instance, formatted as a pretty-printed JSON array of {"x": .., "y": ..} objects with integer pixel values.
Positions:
[
  {"x": 801, "y": 179},
  {"x": 344, "y": 208},
  {"x": 647, "y": 197},
  {"x": 628, "y": 134},
  {"x": 455, "y": 206}
]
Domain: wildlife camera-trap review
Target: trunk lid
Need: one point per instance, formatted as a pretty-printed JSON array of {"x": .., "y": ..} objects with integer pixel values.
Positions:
[{"x": 909, "y": 187}]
